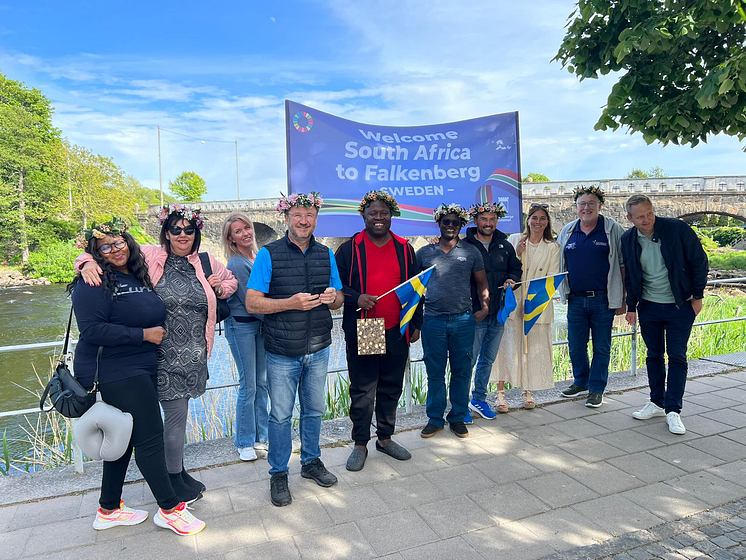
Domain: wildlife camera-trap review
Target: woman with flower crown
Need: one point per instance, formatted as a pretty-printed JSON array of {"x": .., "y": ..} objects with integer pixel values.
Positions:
[
  {"x": 120, "y": 323},
  {"x": 191, "y": 312}
]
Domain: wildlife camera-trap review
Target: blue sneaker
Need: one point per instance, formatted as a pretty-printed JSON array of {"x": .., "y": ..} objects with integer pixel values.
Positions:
[
  {"x": 483, "y": 409},
  {"x": 467, "y": 418}
]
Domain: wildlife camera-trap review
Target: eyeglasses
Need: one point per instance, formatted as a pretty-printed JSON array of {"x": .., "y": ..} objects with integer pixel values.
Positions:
[
  {"x": 587, "y": 204},
  {"x": 537, "y": 205},
  {"x": 118, "y": 245},
  {"x": 176, "y": 230},
  {"x": 447, "y": 222}
]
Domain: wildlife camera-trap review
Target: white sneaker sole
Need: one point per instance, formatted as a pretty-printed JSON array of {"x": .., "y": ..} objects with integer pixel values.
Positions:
[
  {"x": 648, "y": 416},
  {"x": 109, "y": 524},
  {"x": 580, "y": 394},
  {"x": 161, "y": 522}
]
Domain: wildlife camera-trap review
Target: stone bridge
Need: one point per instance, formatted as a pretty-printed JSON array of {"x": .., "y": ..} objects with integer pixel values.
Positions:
[{"x": 676, "y": 197}]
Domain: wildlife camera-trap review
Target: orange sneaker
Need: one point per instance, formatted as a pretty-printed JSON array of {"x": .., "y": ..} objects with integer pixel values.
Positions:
[{"x": 180, "y": 521}]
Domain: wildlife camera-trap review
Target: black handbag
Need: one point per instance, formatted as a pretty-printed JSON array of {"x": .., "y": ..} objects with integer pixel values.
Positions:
[
  {"x": 65, "y": 393},
  {"x": 223, "y": 309}
]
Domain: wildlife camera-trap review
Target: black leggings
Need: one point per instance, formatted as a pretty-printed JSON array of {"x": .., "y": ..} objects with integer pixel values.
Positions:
[{"x": 138, "y": 396}]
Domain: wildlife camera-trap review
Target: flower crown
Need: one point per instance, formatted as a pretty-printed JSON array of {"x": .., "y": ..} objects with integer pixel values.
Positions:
[
  {"x": 371, "y": 196},
  {"x": 457, "y": 209},
  {"x": 496, "y": 208},
  {"x": 184, "y": 211},
  {"x": 300, "y": 199},
  {"x": 116, "y": 227},
  {"x": 593, "y": 189}
]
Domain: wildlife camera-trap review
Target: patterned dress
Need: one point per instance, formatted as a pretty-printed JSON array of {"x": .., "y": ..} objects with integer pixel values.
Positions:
[{"x": 182, "y": 355}]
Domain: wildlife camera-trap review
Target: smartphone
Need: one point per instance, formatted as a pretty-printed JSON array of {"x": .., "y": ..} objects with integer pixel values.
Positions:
[{"x": 318, "y": 290}]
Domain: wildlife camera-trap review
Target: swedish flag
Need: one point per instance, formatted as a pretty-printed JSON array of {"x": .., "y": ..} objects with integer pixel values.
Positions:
[
  {"x": 538, "y": 296},
  {"x": 409, "y": 295}
]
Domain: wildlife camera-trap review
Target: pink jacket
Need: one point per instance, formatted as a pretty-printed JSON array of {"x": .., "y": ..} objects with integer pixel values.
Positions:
[{"x": 155, "y": 258}]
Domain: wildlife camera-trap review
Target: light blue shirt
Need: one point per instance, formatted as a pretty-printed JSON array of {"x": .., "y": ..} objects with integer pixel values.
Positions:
[{"x": 261, "y": 273}]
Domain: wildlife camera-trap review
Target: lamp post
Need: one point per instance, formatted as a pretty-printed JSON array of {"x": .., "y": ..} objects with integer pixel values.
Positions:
[{"x": 202, "y": 140}]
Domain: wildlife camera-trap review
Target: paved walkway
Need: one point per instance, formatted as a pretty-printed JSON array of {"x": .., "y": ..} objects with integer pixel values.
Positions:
[{"x": 563, "y": 481}]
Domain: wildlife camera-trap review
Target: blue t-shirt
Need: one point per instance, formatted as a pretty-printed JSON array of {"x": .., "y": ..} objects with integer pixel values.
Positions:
[
  {"x": 449, "y": 289},
  {"x": 240, "y": 266},
  {"x": 587, "y": 258},
  {"x": 116, "y": 322},
  {"x": 261, "y": 273}
]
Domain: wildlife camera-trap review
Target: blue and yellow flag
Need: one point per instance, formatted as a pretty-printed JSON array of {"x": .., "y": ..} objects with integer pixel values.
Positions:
[
  {"x": 409, "y": 295},
  {"x": 538, "y": 296},
  {"x": 508, "y": 305}
]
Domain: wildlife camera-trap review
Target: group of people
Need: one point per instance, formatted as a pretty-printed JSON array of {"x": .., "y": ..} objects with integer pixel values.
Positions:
[{"x": 152, "y": 311}]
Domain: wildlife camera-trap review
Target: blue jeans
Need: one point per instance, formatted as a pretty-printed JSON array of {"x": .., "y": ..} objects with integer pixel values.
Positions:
[
  {"x": 252, "y": 403},
  {"x": 589, "y": 315},
  {"x": 487, "y": 339},
  {"x": 665, "y": 329},
  {"x": 448, "y": 338},
  {"x": 288, "y": 376}
]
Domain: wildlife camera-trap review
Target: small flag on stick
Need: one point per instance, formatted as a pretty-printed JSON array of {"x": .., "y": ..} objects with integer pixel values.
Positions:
[{"x": 409, "y": 294}]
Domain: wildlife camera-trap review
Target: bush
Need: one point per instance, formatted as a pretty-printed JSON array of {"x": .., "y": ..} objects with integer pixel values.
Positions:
[
  {"x": 728, "y": 236},
  {"x": 705, "y": 238},
  {"x": 55, "y": 262},
  {"x": 734, "y": 260}
]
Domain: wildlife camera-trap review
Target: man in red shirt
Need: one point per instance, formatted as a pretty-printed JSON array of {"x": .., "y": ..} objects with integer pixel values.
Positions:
[{"x": 370, "y": 264}]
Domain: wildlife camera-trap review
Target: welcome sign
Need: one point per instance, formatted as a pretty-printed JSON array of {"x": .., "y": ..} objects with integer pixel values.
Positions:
[{"x": 466, "y": 162}]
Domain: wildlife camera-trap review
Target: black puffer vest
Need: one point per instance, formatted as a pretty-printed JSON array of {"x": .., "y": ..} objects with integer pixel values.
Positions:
[{"x": 296, "y": 333}]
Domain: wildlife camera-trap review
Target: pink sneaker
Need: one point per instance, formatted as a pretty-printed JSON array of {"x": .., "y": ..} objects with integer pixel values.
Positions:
[
  {"x": 180, "y": 521},
  {"x": 121, "y": 516}
]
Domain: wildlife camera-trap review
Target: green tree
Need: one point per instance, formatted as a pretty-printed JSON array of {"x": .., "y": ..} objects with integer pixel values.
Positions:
[
  {"x": 188, "y": 187},
  {"x": 27, "y": 163},
  {"x": 536, "y": 178},
  {"x": 681, "y": 65},
  {"x": 654, "y": 173}
]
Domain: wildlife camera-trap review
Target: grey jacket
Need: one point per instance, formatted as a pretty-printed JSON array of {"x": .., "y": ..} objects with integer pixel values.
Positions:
[{"x": 614, "y": 282}]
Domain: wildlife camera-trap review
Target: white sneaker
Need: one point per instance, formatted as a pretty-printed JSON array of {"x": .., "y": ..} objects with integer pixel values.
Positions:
[
  {"x": 180, "y": 521},
  {"x": 675, "y": 425},
  {"x": 650, "y": 410},
  {"x": 261, "y": 446},
  {"x": 121, "y": 516},
  {"x": 247, "y": 454}
]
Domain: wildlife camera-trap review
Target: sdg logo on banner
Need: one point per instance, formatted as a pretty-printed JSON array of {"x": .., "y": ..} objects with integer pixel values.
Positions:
[{"x": 466, "y": 162}]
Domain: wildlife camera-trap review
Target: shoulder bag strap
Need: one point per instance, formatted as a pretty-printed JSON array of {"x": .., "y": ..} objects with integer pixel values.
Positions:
[
  {"x": 95, "y": 377},
  {"x": 67, "y": 334}
]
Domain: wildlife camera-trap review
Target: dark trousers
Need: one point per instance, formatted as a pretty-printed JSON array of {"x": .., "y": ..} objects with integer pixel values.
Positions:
[
  {"x": 665, "y": 329},
  {"x": 138, "y": 396},
  {"x": 376, "y": 378}
]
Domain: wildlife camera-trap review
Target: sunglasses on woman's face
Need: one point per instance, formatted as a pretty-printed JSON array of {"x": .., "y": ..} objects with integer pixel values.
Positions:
[
  {"x": 176, "y": 230},
  {"x": 118, "y": 245},
  {"x": 447, "y": 222}
]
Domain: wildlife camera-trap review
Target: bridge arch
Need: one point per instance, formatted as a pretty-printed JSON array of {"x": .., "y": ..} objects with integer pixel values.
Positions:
[
  {"x": 695, "y": 215},
  {"x": 264, "y": 234}
]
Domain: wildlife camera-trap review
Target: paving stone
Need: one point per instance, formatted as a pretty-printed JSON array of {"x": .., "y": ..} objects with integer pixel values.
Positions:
[
  {"x": 539, "y": 417},
  {"x": 380, "y": 473},
  {"x": 443, "y": 550},
  {"x": 352, "y": 504},
  {"x": 630, "y": 441},
  {"x": 592, "y": 450},
  {"x": 508, "y": 541},
  {"x": 727, "y": 416},
  {"x": 697, "y": 535},
  {"x": 712, "y": 402},
  {"x": 617, "y": 515},
  {"x": 737, "y": 536},
  {"x": 673, "y": 556},
  {"x": 12, "y": 543},
  {"x": 392, "y": 532},
  {"x": 646, "y": 467},
  {"x": 724, "y": 542},
  {"x": 738, "y": 435},
  {"x": 572, "y": 409},
  {"x": 422, "y": 461},
  {"x": 407, "y": 492},
  {"x": 635, "y": 399},
  {"x": 655, "y": 549},
  {"x": 552, "y": 458},
  {"x": 78, "y": 532},
  {"x": 712, "y": 531},
  {"x": 462, "y": 479},
  {"x": 541, "y": 436},
  {"x": 508, "y": 502},
  {"x": 580, "y": 428},
  {"x": 719, "y": 381},
  {"x": 665, "y": 501},
  {"x": 341, "y": 541},
  {"x": 241, "y": 473},
  {"x": 727, "y": 526},
  {"x": 281, "y": 549},
  {"x": 249, "y": 497},
  {"x": 464, "y": 452},
  {"x": 739, "y": 551},
  {"x": 454, "y": 516},
  {"x": 686, "y": 457},
  {"x": 604, "y": 479},
  {"x": 732, "y": 472},
  {"x": 708, "y": 488},
  {"x": 659, "y": 430},
  {"x": 705, "y": 426},
  {"x": 303, "y": 515},
  {"x": 724, "y": 555},
  {"x": 506, "y": 468},
  {"x": 670, "y": 544},
  {"x": 45, "y": 512},
  {"x": 615, "y": 420},
  {"x": 720, "y": 447},
  {"x": 6, "y": 514},
  {"x": 706, "y": 546},
  {"x": 558, "y": 489},
  {"x": 244, "y": 530},
  {"x": 504, "y": 444},
  {"x": 640, "y": 554},
  {"x": 690, "y": 552}
]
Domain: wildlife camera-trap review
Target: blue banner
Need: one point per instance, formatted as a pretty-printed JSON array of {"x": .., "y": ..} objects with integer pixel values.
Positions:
[{"x": 466, "y": 162}]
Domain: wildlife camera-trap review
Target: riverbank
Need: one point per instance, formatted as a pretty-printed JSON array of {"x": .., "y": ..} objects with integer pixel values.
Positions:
[{"x": 13, "y": 278}]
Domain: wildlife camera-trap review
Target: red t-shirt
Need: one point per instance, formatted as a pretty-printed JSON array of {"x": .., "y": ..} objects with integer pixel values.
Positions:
[{"x": 382, "y": 275}]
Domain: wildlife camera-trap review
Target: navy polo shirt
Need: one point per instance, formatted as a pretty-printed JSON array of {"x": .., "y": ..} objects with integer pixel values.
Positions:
[{"x": 587, "y": 258}]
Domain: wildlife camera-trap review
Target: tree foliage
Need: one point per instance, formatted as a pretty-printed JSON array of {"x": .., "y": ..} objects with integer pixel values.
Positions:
[
  {"x": 654, "y": 173},
  {"x": 536, "y": 178},
  {"x": 188, "y": 187},
  {"x": 682, "y": 65}
]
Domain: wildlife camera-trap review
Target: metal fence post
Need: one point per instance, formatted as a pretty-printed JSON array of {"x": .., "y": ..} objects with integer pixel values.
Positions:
[
  {"x": 77, "y": 453},
  {"x": 633, "y": 350},
  {"x": 408, "y": 387}
]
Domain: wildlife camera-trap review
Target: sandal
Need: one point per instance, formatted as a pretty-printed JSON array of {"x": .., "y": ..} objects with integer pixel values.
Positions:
[
  {"x": 528, "y": 400},
  {"x": 502, "y": 405}
]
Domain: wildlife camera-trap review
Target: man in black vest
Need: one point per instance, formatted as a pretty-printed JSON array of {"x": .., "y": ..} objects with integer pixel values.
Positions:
[
  {"x": 294, "y": 283},
  {"x": 371, "y": 264}
]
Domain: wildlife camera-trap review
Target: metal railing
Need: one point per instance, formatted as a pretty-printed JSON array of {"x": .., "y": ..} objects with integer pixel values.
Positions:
[{"x": 78, "y": 457}]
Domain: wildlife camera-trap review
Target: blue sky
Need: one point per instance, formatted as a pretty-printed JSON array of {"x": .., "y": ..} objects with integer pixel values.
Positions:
[{"x": 222, "y": 70}]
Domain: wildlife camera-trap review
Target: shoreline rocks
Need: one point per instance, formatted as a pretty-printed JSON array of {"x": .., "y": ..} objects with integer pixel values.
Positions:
[{"x": 14, "y": 278}]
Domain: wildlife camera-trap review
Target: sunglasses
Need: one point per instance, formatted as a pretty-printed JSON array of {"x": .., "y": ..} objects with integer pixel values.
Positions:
[
  {"x": 537, "y": 205},
  {"x": 106, "y": 249},
  {"x": 176, "y": 230},
  {"x": 447, "y": 222}
]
